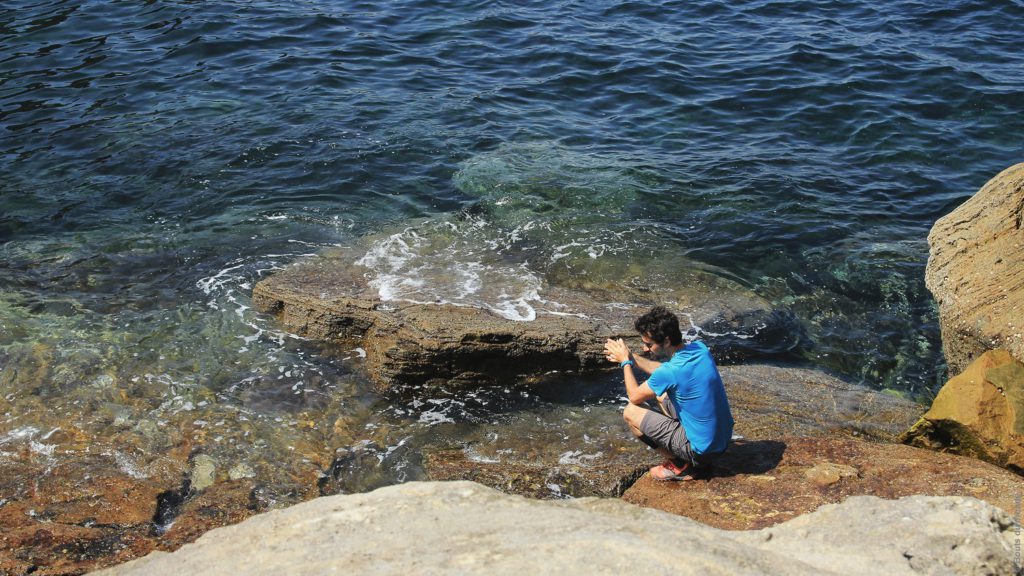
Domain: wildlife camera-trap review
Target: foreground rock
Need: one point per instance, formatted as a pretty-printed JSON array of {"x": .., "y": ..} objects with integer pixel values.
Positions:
[
  {"x": 761, "y": 483},
  {"x": 767, "y": 402},
  {"x": 465, "y": 528},
  {"x": 330, "y": 298},
  {"x": 979, "y": 413},
  {"x": 976, "y": 272}
]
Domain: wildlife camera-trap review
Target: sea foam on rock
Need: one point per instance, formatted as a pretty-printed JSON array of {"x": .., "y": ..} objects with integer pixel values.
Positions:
[{"x": 465, "y": 528}]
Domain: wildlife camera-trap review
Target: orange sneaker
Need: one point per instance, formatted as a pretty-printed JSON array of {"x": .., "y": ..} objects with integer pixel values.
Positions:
[{"x": 668, "y": 470}]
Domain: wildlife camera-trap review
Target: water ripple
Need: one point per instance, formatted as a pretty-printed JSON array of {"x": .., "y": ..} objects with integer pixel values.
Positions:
[{"x": 762, "y": 128}]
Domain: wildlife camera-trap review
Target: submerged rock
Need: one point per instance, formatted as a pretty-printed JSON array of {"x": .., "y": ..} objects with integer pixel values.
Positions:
[
  {"x": 78, "y": 515},
  {"x": 465, "y": 528},
  {"x": 203, "y": 473},
  {"x": 979, "y": 413},
  {"x": 330, "y": 297},
  {"x": 976, "y": 272},
  {"x": 607, "y": 477},
  {"x": 761, "y": 483}
]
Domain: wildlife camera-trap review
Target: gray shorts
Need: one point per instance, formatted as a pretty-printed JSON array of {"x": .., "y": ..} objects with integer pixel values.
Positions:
[{"x": 668, "y": 433}]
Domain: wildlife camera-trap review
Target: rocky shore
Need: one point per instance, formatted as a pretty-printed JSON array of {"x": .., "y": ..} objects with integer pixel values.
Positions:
[
  {"x": 816, "y": 456},
  {"x": 464, "y": 528}
]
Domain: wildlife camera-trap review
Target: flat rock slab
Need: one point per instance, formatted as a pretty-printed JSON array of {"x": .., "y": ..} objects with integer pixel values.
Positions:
[
  {"x": 976, "y": 272},
  {"x": 465, "y": 528},
  {"x": 762, "y": 483},
  {"x": 330, "y": 297},
  {"x": 769, "y": 401}
]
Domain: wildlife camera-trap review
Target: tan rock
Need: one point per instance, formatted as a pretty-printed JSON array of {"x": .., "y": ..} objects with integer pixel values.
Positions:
[
  {"x": 976, "y": 272},
  {"x": 979, "y": 413},
  {"x": 829, "y": 473},
  {"x": 807, "y": 473}
]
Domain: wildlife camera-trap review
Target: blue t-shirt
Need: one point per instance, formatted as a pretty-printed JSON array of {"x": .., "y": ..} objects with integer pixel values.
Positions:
[{"x": 696, "y": 391}]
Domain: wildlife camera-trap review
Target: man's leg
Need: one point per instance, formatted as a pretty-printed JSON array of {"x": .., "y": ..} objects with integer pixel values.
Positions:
[{"x": 634, "y": 417}]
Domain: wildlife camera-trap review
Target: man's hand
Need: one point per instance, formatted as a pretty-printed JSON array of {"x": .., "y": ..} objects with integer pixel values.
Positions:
[{"x": 616, "y": 351}]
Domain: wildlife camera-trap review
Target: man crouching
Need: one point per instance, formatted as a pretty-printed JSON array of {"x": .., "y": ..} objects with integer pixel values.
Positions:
[{"x": 695, "y": 423}]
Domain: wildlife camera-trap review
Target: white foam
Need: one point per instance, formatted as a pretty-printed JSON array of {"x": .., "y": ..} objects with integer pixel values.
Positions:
[
  {"x": 129, "y": 466},
  {"x": 578, "y": 458},
  {"x": 432, "y": 418},
  {"x": 40, "y": 448},
  {"x": 211, "y": 283},
  {"x": 454, "y": 263},
  {"x": 26, "y": 433}
]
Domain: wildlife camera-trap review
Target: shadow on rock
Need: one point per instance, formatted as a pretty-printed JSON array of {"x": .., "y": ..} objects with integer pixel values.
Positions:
[{"x": 747, "y": 457}]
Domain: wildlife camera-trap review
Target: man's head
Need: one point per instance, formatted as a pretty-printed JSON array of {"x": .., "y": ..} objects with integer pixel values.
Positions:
[{"x": 659, "y": 329}]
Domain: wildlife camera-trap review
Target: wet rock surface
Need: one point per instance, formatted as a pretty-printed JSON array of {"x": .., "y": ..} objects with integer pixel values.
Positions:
[
  {"x": 767, "y": 402},
  {"x": 79, "y": 515},
  {"x": 86, "y": 513},
  {"x": 979, "y": 413},
  {"x": 107, "y": 502},
  {"x": 465, "y": 528},
  {"x": 976, "y": 272},
  {"x": 761, "y": 483},
  {"x": 329, "y": 297},
  {"x": 544, "y": 479}
]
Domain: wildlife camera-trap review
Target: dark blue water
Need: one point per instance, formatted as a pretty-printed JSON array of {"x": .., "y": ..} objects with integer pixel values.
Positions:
[{"x": 159, "y": 158}]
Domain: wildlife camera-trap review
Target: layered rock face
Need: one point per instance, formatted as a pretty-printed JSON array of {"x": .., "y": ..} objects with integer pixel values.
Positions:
[
  {"x": 980, "y": 413},
  {"x": 976, "y": 272},
  {"x": 465, "y": 528},
  {"x": 329, "y": 297}
]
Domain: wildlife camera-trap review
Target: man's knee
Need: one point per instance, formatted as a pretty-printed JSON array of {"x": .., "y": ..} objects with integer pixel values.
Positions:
[{"x": 634, "y": 415}]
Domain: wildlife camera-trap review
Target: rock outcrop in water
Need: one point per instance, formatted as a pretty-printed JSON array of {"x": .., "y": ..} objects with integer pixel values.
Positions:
[
  {"x": 329, "y": 298},
  {"x": 976, "y": 272},
  {"x": 979, "y": 413},
  {"x": 465, "y": 528}
]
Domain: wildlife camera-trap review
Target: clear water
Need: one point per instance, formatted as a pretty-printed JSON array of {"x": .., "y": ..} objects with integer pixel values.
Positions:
[{"x": 159, "y": 158}]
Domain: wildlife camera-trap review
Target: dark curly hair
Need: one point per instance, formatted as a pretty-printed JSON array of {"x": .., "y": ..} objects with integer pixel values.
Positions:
[{"x": 659, "y": 324}]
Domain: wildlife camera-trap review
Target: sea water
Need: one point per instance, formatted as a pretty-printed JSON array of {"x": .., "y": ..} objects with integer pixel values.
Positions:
[{"x": 158, "y": 159}]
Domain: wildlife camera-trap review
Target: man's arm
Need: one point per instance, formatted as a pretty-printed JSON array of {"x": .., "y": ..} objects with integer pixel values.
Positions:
[
  {"x": 645, "y": 364},
  {"x": 618, "y": 352}
]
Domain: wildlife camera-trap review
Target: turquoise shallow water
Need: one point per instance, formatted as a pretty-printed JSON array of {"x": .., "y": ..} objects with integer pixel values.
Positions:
[{"x": 158, "y": 159}]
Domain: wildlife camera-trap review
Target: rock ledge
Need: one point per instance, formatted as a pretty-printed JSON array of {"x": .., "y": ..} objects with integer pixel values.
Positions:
[{"x": 465, "y": 528}]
